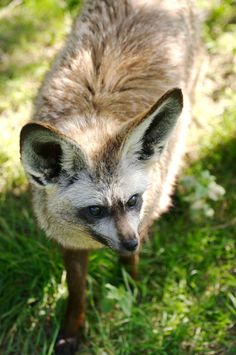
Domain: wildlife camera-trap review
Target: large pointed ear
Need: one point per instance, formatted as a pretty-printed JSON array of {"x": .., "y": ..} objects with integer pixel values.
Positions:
[
  {"x": 149, "y": 135},
  {"x": 46, "y": 154}
]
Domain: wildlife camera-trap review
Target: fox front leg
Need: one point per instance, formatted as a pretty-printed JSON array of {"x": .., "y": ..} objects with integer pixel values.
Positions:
[
  {"x": 130, "y": 263},
  {"x": 76, "y": 263}
]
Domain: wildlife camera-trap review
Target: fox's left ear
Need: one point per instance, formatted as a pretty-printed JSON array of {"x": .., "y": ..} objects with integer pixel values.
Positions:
[{"x": 147, "y": 138}]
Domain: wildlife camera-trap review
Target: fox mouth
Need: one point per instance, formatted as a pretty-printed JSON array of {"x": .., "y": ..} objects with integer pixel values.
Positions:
[{"x": 127, "y": 248}]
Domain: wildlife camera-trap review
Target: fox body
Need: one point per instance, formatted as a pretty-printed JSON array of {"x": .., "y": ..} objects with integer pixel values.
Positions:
[{"x": 109, "y": 124}]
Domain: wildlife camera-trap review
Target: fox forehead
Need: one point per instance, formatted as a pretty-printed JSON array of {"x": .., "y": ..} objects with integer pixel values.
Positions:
[
  {"x": 87, "y": 190},
  {"x": 91, "y": 132}
]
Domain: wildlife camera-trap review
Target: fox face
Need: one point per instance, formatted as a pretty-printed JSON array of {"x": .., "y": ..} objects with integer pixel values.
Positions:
[{"x": 88, "y": 200}]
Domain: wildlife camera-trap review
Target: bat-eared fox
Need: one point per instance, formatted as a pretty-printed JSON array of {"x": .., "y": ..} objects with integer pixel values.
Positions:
[{"x": 107, "y": 134}]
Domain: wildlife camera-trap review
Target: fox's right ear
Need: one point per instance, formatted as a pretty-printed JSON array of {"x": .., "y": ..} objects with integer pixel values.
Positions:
[{"x": 46, "y": 154}]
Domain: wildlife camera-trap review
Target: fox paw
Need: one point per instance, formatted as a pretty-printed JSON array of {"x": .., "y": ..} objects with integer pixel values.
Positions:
[{"x": 66, "y": 346}]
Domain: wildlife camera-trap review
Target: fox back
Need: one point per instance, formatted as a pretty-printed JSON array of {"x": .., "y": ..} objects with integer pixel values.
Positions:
[{"x": 107, "y": 136}]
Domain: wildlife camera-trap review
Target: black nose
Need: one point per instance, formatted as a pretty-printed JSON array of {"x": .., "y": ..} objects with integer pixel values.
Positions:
[{"x": 130, "y": 245}]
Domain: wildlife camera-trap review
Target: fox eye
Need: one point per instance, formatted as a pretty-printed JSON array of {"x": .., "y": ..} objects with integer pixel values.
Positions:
[
  {"x": 95, "y": 211},
  {"x": 132, "y": 201},
  {"x": 91, "y": 213}
]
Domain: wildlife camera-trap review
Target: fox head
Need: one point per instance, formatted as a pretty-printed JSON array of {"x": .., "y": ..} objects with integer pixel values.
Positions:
[{"x": 88, "y": 200}]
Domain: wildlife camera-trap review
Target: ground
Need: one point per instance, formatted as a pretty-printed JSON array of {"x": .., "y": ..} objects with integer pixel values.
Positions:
[{"x": 185, "y": 299}]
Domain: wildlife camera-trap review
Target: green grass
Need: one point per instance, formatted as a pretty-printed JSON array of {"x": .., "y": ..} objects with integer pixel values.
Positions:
[{"x": 185, "y": 299}]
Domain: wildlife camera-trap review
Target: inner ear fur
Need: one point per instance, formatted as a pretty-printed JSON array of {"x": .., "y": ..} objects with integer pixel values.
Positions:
[
  {"x": 45, "y": 152},
  {"x": 148, "y": 134}
]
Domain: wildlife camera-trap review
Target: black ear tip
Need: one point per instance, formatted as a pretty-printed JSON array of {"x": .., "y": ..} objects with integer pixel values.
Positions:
[
  {"x": 26, "y": 130},
  {"x": 23, "y": 134},
  {"x": 30, "y": 127},
  {"x": 176, "y": 93},
  {"x": 34, "y": 127}
]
